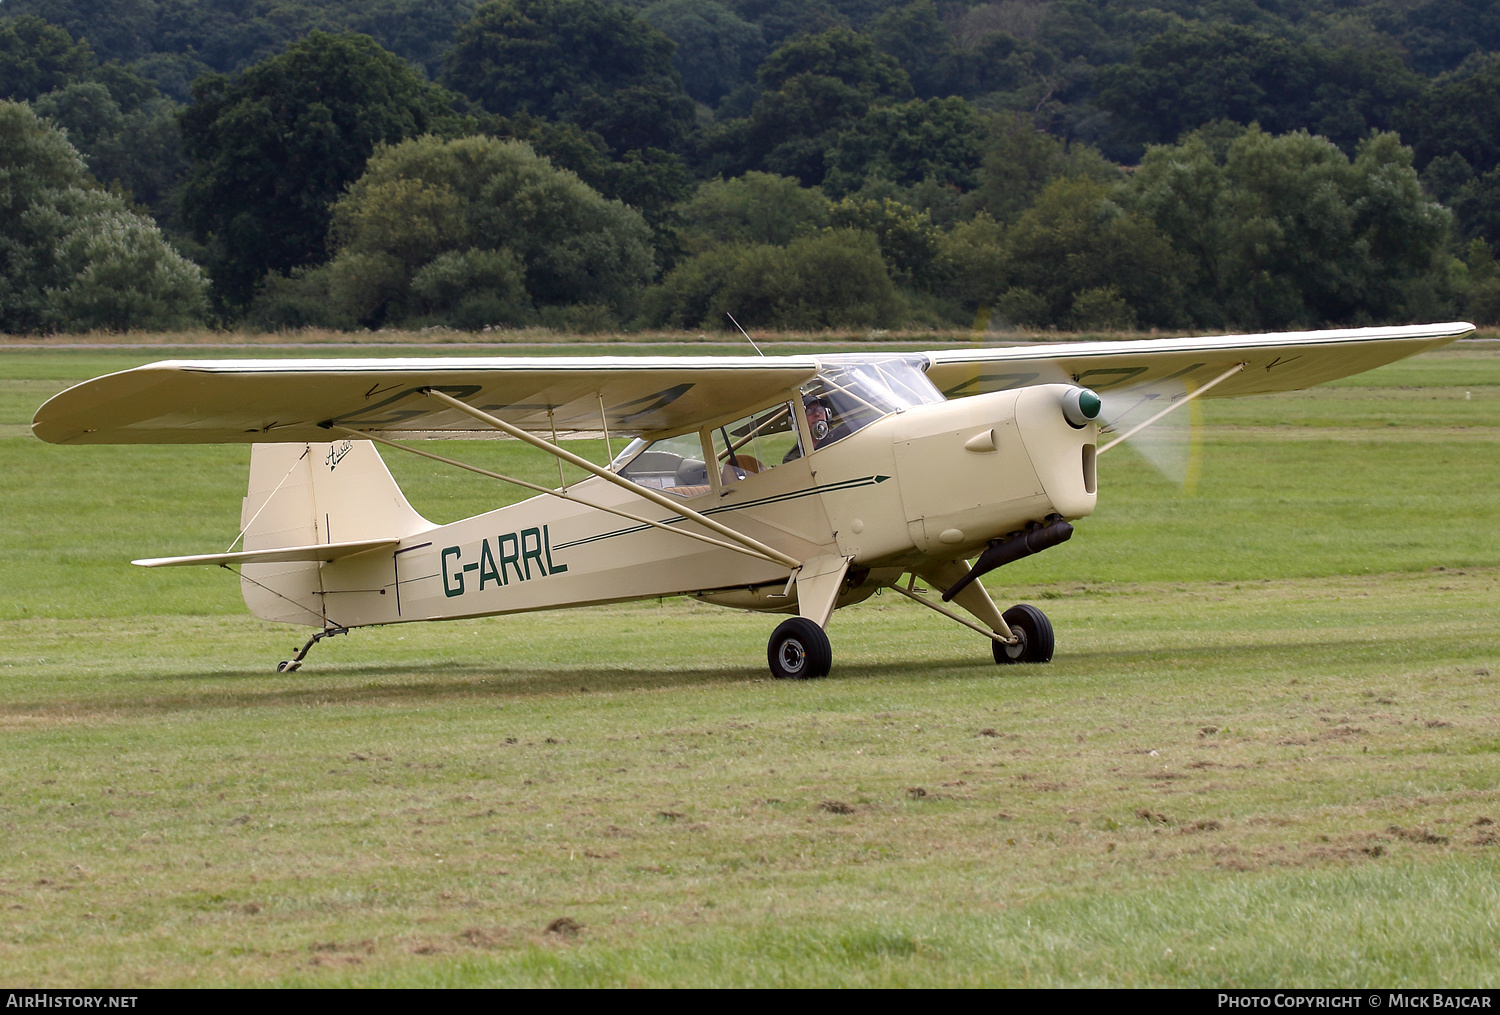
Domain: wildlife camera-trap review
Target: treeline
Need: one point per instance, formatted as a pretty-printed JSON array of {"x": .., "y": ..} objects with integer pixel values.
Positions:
[{"x": 581, "y": 164}]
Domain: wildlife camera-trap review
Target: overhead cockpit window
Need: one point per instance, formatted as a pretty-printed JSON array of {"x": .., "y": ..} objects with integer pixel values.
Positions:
[
  {"x": 848, "y": 395},
  {"x": 674, "y": 465}
]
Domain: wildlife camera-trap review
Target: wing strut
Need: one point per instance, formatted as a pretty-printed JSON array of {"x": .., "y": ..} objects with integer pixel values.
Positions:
[
  {"x": 559, "y": 494},
  {"x": 583, "y": 463},
  {"x": 1170, "y": 406}
]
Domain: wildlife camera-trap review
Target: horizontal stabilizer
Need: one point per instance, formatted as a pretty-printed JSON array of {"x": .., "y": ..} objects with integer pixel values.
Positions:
[{"x": 280, "y": 555}]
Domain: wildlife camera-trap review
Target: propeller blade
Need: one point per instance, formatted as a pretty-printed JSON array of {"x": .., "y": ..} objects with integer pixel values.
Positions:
[{"x": 1171, "y": 446}]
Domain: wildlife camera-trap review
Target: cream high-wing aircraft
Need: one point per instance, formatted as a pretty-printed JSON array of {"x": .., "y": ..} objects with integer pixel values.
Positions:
[{"x": 787, "y": 484}]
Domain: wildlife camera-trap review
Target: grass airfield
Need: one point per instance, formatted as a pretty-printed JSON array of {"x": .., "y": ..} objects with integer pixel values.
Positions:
[{"x": 1267, "y": 753}]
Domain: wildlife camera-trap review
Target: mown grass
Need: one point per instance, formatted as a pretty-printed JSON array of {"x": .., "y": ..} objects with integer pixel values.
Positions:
[{"x": 1265, "y": 754}]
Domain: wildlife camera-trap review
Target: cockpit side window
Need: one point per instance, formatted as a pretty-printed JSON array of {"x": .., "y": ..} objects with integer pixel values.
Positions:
[
  {"x": 757, "y": 443},
  {"x": 674, "y": 465}
]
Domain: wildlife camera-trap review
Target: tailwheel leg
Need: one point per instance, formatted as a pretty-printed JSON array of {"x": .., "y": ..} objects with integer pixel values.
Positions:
[
  {"x": 293, "y": 664},
  {"x": 799, "y": 650},
  {"x": 1033, "y": 631}
]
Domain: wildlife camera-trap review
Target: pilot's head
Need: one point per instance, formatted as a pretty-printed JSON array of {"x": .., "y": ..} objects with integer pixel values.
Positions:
[{"x": 818, "y": 415}]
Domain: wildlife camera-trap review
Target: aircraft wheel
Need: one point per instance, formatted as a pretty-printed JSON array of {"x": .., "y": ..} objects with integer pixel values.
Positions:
[
  {"x": 1035, "y": 631},
  {"x": 799, "y": 650}
]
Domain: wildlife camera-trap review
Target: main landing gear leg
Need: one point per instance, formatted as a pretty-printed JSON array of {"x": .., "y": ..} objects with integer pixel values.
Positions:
[
  {"x": 293, "y": 664},
  {"x": 1024, "y": 633}
]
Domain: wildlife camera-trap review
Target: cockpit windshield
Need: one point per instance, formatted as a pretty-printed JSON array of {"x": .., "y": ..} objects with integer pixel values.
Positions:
[{"x": 850, "y": 394}]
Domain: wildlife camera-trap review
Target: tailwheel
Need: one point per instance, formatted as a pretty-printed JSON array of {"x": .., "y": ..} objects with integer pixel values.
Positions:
[
  {"x": 294, "y": 664},
  {"x": 1034, "y": 633},
  {"x": 799, "y": 650}
]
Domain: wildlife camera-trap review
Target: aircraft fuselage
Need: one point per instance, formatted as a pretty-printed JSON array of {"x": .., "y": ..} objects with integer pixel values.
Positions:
[{"x": 926, "y": 485}]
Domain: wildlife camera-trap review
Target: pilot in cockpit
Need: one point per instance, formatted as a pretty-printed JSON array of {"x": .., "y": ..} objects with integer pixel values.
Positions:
[{"x": 820, "y": 424}]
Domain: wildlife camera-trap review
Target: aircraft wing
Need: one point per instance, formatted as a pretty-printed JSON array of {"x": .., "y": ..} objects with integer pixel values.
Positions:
[
  {"x": 261, "y": 401},
  {"x": 1173, "y": 366}
]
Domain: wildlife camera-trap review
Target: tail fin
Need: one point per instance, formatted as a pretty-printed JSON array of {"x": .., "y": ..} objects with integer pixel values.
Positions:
[{"x": 306, "y": 494}]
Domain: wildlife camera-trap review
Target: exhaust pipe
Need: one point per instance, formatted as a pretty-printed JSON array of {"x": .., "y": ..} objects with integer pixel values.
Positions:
[{"x": 1012, "y": 548}]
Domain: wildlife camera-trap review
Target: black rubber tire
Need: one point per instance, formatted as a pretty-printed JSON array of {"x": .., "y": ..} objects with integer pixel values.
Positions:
[
  {"x": 799, "y": 650},
  {"x": 1036, "y": 642}
]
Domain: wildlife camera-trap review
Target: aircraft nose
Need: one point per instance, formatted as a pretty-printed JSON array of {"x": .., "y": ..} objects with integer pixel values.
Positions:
[{"x": 1081, "y": 407}]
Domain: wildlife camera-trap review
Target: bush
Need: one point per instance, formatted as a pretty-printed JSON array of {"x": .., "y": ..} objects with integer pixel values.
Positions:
[
  {"x": 835, "y": 279},
  {"x": 472, "y": 289},
  {"x": 971, "y": 263},
  {"x": 120, "y": 274},
  {"x": 299, "y": 299},
  {"x": 754, "y": 208},
  {"x": 685, "y": 298},
  {"x": 1017, "y": 306},
  {"x": 1100, "y": 309},
  {"x": 907, "y": 239}
]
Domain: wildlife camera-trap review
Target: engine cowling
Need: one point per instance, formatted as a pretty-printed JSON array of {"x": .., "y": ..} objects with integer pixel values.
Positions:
[{"x": 974, "y": 469}]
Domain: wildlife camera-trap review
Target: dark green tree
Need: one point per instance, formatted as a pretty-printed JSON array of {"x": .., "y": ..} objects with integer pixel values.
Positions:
[
  {"x": 273, "y": 149},
  {"x": 120, "y": 30},
  {"x": 1074, "y": 31},
  {"x": 907, "y": 239},
  {"x": 754, "y": 208},
  {"x": 140, "y": 150},
  {"x": 942, "y": 140},
  {"x": 1289, "y": 232},
  {"x": 832, "y": 279},
  {"x": 36, "y": 58},
  {"x": 1476, "y": 206},
  {"x": 650, "y": 180},
  {"x": 814, "y": 87},
  {"x": 173, "y": 42},
  {"x": 1077, "y": 243},
  {"x": 1357, "y": 93},
  {"x": 420, "y": 31},
  {"x": 915, "y": 35},
  {"x": 1187, "y": 77},
  {"x": 1460, "y": 118},
  {"x": 841, "y": 54},
  {"x": 479, "y": 231},
  {"x": 716, "y": 52},
  {"x": 1439, "y": 35},
  {"x": 971, "y": 264},
  {"x": 595, "y": 65},
  {"x": 780, "y": 20},
  {"x": 85, "y": 109},
  {"x": 1020, "y": 160},
  {"x": 73, "y": 257},
  {"x": 1017, "y": 72},
  {"x": 1482, "y": 292}
]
